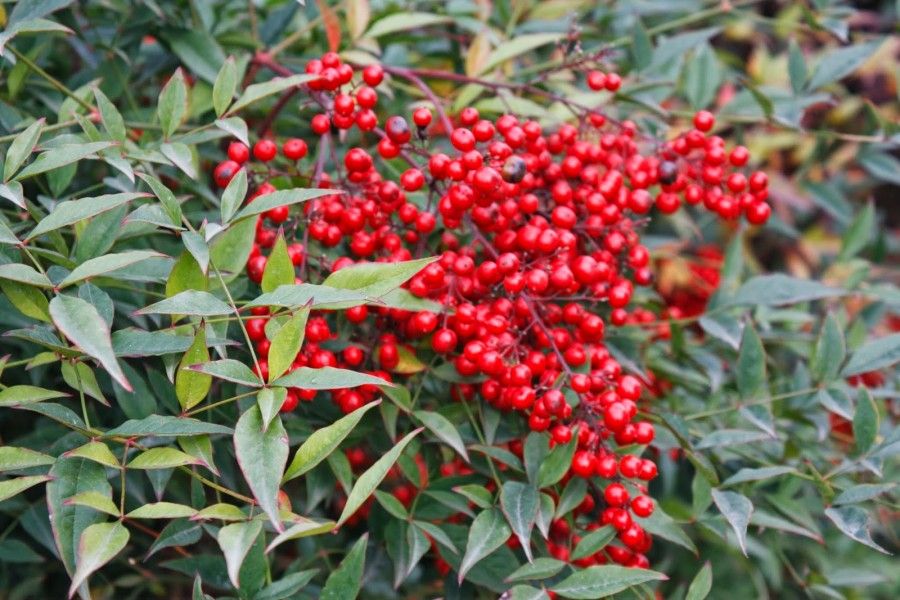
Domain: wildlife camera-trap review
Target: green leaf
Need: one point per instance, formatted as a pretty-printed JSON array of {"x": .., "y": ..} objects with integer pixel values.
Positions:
[
  {"x": 72, "y": 476},
  {"x": 234, "y": 195},
  {"x": 98, "y": 544},
  {"x": 603, "y": 581},
  {"x": 73, "y": 211},
  {"x": 11, "y": 487},
  {"x": 880, "y": 165},
  {"x": 97, "y": 452},
  {"x": 344, "y": 582},
  {"x": 173, "y": 103},
  {"x": 270, "y": 401},
  {"x": 854, "y": 523},
  {"x": 376, "y": 279},
  {"x": 287, "y": 586},
  {"x": 220, "y": 511},
  {"x": 702, "y": 77},
  {"x": 747, "y": 474},
  {"x": 517, "y": 46},
  {"x": 7, "y": 236},
  {"x": 444, "y": 430},
  {"x": 324, "y": 441},
  {"x": 161, "y": 458},
  {"x": 519, "y": 503},
  {"x": 701, "y": 585},
  {"x": 837, "y": 64},
  {"x": 83, "y": 326},
  {"x": 305, "y": 528},
  {"x": 489, "y": 531},
  {"x": 279, "y": 268},
  {"x": 861, "y": 232},
  {"x": 96, "y": 500},
  {"x": 286, "y": 343},
  {"x": 105, "y": 264},
  {"x": 28, "y": 300},
  {"x": 262, "y": 456},
  {"x": 327, "y": 378},
  {"x": 197, "y": 49},
  {"x": 594, "y": 542},
  {"x": 201, "y": 448},
  {"x": 267, "y": 202},
  {"x": 236, "y": 127},
  {"x": 15, "y": 459},
  {"x": 166, "y": 198},
  {"x": 779, "y": 289},
  {"x": 109, "y": 114},
  {"x": 62, "y": 156},
  {"x": 24, "y": 274},
  {"x": 315, "y": 296},
  {"x": 167, "y": 426},
  {"x": 228, "y": 369},
  {"x": 874, "y": 355},
  {"x": 225, "y": 86},
  {"x": 191, "y": 386},
  {"x": 188, "y": 302},
  {"x": 660, "y": 525},
  {"x": 393, "y": 506},
  {"x": 557, "y": 464},
  {"x": 258, "y": 91},
  {"x": 373, "y": 476},
  {"x": 540, "y": 568},
  {"x": 796, "y": 67},
  {"x": 13, "y": 192},
  {"x": 404, "y": 21},
  {"x": 139, "y": 343},
  {"x": 750, "y": 369},
  {"x": 865, "y": 421},
  {"x": 235, "y": 541},
  {"x": 21, "y": 148},
  {"x": 641, "y": 46},
  {"x": 862, "y": 492},
  {"x": 736, "y": 508},
  {"x": 162, "y": 510},
  {"x": 829, "y": 351}
]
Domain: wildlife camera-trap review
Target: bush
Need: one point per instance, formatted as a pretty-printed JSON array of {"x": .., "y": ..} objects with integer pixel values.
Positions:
[{"x": 543, "y": 299}]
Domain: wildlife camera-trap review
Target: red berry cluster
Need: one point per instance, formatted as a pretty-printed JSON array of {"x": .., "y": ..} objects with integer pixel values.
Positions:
[{"x": 537, "y": 235}]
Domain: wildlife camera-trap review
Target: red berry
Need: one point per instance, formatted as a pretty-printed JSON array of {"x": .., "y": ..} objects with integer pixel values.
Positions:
[
  {"x": 704, "y": 120},
  {"x": 294, "y": 149},
  {"x": 265, "y": 150}
]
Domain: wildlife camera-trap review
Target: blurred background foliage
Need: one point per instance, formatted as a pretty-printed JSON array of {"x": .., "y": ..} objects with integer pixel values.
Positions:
[{"x": 811, "y": 87}]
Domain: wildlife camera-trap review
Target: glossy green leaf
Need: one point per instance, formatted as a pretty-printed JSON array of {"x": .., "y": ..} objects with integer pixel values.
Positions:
[
  {"x": 99, "y": 543},
  {"x": 519, "y": 503},
  {"x": 279, "y": 268},
  {"x": 84, "y": 327},
  {"x": 603, "y": 581},
  {"x": 270, "y": 401},
  {"x": 327, "y": 378},
  {"x": 105, "y": 264},
  {"x": 167, "y": 426},
  {"x": 235, "y": 541},
  {"x": 403, "y": 22},
  {"x": 874, "y": 355},
  {"x": 373, "y": 476},
  {"x": 286, "y": 343},
  {"x": 29, "y": 300},
  {"x": 225, "y": 86},
  {"x": 488, "y": 532},
  {"x": 161, "y": 458},
  {"x": 15, "y": 459},
  {"x": 11, "y": 487},
  {"x": 21, "y": 148},
  {"x": 173, "y": 103},
  {"x": 837, "y": 64},
  {"x": 73, "y": 211},
  {"x": 228, "y": 369},
  {"x": 701, "y": 584},
  {"x": 189, "y": 302},
  {"x": 345, "y": 581},
  {"x": 305, "y": 528},
  {"x": 539, "y": 568},
  {"x": 191, "y": 386},
  {"x": 779, "y": 289},
  {"x": 323, "y": 442},
  {"x": 556, "y": 465},
  {"x": 829, "y": 351},
  {"x": 862, "y": 493},
  {"x": 166, "y": 198},
  {"x": 444, "y": 430},
  {"x": 376, "y": 279},
  {"x": 234, "y": 195},
  {"x": 865, "y": 421},
  {"x": 267, "y": 202},
  {"x": 517, "y": 46},
  {"x": 736, "y": 508},
  {"x": 594, "y": 542},
  {"x": 262, "y": 456},
  {"x": 97, "y": 452},
  {"x": 854, "y": 523},
  {"x": 60, "y": 157}
]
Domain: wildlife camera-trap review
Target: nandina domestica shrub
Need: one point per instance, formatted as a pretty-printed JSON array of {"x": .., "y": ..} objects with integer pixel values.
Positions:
[{"x": 325, "y": 333}]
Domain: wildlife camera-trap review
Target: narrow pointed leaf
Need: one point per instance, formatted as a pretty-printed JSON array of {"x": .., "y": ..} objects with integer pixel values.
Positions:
[
  {"x": 373, "y": 476},
  {"x": 188, "y": 302},
  {"x": 192, "y": 386},
  {"x": 73, "y": 211},
  {"x": 279, "y": 268},
  {"x": 602, "y": 581},
  {"x": 229, "y": 369},
  {"x": 701, "y": 585},
  {"x": 344, "y": 582},
  {"x": 21, "y": 147},
  {"x": 262, "y": 456},
  {"x": 258, "y": 91},
  {"x": 327, "y": 378},
  {"x": 235, "y": 541},
  {"x": 225, "y": 86},
  {"x": 489, "y": 531},
  {"x": 105, "y": 264},
  {"x": 161, "y": 458},
  {"x": 376, "y": 279},
  {"x": 98, "y": 545},
  {"x": 444, "y": 430},
  {"x": 270, "y": 401},
  {"x": 83, "y": 326},
  {"x": 519, "y": 502},
  {"x": 323, "y": 442},
  {"x": 96, "y": 500},
  {"x": 736, "y": 508},
  {"x": 267, "y": 202},
  {"x": 11, "y": 487},
  {"x": 62, "y": 156},
  {"x": 854, "y": 523},
  {"x": 286, "y": 343},
  {"x": 14, "y": 459}
]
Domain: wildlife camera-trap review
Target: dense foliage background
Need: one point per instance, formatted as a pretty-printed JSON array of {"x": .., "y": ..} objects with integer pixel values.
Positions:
[{"x": 775, "y": 381}]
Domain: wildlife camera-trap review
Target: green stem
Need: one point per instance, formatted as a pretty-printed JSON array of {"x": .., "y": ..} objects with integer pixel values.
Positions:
[
  {"x": 51, "y": 79},
  {"x": 755, "y": 402},
  {"x": 220, "y": 403}
]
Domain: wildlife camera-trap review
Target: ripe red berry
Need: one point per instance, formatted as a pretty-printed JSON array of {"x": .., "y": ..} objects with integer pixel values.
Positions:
[
  {"x": 294, "y": 149},
  {"x": 238, "y": 152},
  {"x": 265, "y": 150},
  {"x": 704, "y": 120},
  {"x": 422, "y": 117},
  {"x": 225, "y": 172},
  {"x": 373, "y": 75}
]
